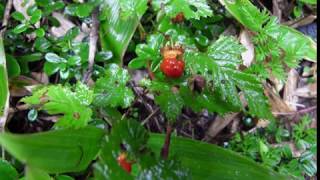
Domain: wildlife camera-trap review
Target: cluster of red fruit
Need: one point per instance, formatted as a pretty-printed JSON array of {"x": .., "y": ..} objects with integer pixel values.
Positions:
[{"x": 172, "y": 64}]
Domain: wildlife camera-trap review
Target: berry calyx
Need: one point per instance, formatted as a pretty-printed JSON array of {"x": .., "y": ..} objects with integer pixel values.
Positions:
[
  {"x": 172, "y": 67},
  {"x": 122, "y": 161}
]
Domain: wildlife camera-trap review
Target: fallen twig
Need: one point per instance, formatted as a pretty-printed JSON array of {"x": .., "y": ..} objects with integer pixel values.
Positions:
[
  {"x": 302, "y": 111},
  {"x": 92, "y": 45},
  {"x": 6, "y": 17}
]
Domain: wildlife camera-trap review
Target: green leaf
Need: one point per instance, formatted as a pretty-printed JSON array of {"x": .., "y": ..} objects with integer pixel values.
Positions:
[
  {"x": 18, "y": 16},
  {"x": 132, "y": 8},
  {"x": 54, "y": 58},
  {"x": 36, "y": 16},
  {"x": 7, "y": 172},
  {"x": 164, "y": 169},
  {"x": 208, "y": 161},
  {"x": 148, "y": 52},
  {"x": 40, "y": 32},
  {"x": 103, "y": 56},
  {"x": 115, "y": 31},
  {"x": 169, "y": 100},
  {"x": 4, "y": 90},
  {"x": 111, "y": 89},
  {"x": 62, "y": 100},
  {"x": 64, "y": 177},
  {"x": 42, "y": 44},
  {"x": 84, "y": 10},
  {"x": 191, "y": 9},
  {"x": 57, "y": 151},
  {"x": 13, "y": 67},
  {"x": 309, "y": 1},
  {"x": 220, "y": 67},
  {"x": 21, "y": 28},
  {"x": 35, "y": 174},
  {"x": 129, "y": 135},
  {"x": 281, "y": 43},
  {"x": 50, "y": 68}
]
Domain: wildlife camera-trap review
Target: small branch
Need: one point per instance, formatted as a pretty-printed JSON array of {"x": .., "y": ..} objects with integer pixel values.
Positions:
[
  {"x": 6, "y": 16},
  {"x": 302, "y": 111},
  {"x": 166, "y": 145},
  {"x": 151, "y": 75},
  {"x": 150, "y": 116},
  {"x": 92, "y": 45}
]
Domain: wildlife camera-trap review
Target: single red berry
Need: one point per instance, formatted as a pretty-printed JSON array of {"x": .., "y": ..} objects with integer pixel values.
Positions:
[
  {"x": 122, "y": 161},
  {"x": 172, "y": 67},
  {"x": 179, "y": 18}
]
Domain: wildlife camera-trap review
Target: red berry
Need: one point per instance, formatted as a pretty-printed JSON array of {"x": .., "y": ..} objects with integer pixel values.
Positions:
[
  {"x": 172, "y": 67},
  {"x": 124, "y": 163},
  {"x": 179, "y": 18}
]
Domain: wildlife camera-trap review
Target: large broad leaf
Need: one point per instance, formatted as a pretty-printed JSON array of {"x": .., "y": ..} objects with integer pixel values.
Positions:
[
  {"x": 295, "y": 44},
  {"x": 119, "y": 20},
  {"x": 207, "y": 161},
  {"x": 58, "y": 151},
  {"x": 4, "y": 92}
]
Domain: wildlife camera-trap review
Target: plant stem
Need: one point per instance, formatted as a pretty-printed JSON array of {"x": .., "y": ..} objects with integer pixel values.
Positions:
[{"x": 166, "y": 145}]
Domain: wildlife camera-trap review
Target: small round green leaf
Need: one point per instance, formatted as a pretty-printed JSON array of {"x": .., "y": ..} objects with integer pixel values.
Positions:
[
  {"x": 40, "y": 32},
  {"x": 42, "y": 44},
  {"x": 20, "y": 28},
  {"x": 50, "y": 68},
  {"x": 53, "y": 58},
  {"x": 36, "y": 16},
  {"x": 18, "y": 16}
]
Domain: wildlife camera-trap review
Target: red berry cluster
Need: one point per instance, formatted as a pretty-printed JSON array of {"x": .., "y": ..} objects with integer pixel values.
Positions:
[{"x": 172, "y": 65}]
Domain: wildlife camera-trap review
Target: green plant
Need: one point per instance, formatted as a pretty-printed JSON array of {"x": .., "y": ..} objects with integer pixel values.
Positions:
[
  {"x": 281, "y": 157},
  {"x": 190, "y": 65}
]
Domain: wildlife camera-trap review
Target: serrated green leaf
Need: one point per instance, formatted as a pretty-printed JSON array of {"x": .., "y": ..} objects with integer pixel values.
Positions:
[
  {"x": 220, "y": 67},
  {"x": 62, "y": 100},
  {"x": 280, "y": 43},
  {"x": 74, "y": 108},
  {"x": 57, "y": 151},
  {"x": 111, "y": 89},
  {"x": 191, "y": 9}
]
